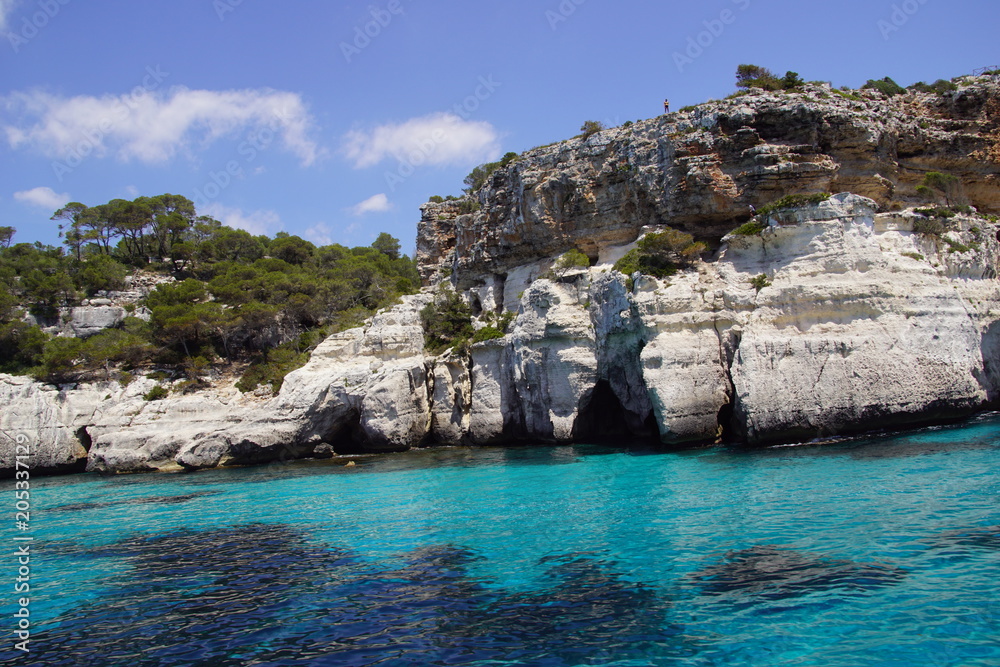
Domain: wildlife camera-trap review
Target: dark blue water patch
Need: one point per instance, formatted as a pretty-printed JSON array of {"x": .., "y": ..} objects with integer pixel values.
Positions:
[
  {"x": 767, "y": 573},
  {"x": 964, "y": 541},
  {"x": 264, "y": 594},
  {"x": 155, "y": 500}
]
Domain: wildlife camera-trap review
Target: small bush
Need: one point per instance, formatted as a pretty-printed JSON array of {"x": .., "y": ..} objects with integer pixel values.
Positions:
[
  {"x": 792, "y": 201},
  {"x": 447, "y": 322},
  {"x": 939, "y": 212},
  {"x": 847, "y": 94},
  {"x": 759, "y": 282},
  {"x": 957, "y": 246},
  {"x": 886, "y": 86},
  {"x": 661, "y": 254},
  {"x": 468, "y": 206},
  {"x": 157, "y": 393},
  {"x": 487, "y": 333},
  {"x": 754, "y": 227},
  {"x": 436, "y": 199},
  {"x": 572, "y": 260},
  {"x": 932, "y": 227},
  {"x": 914, "y": 255},
  {"x": 590, "y": 128},
  {"x": 941, "y": 87}
]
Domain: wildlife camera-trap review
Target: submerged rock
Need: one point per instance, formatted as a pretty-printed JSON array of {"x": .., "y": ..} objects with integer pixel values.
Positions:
[{"x": 768, "y": 572}]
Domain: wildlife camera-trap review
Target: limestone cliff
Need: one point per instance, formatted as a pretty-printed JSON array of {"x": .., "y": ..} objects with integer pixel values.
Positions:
[
  {"x": 700, "y": 169},
  {"x": 842, "y": 316}
]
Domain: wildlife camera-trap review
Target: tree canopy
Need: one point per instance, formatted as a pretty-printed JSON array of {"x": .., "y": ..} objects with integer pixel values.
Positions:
[{"x": 225, "y": 294}]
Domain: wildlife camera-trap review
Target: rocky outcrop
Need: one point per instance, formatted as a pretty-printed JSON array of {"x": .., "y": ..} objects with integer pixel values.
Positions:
[
  {"x": 847, "y": 315},
  {"x": 700, "y": 169}
]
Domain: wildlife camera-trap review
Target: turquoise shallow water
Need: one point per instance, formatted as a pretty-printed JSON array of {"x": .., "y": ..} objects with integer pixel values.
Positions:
[{"x": 881, "y": 551}]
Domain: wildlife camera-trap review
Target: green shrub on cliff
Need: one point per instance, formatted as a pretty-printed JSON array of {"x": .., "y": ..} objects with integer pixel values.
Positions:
[
  {"x": 886, "y": 86},
  {"x": 792, "y": 201},
  {"x": 447, "y": 322},
  {"x": 751, "y": 228},
  {"x": 487, "y": 333},
  {"x": 661, "y": 254}
]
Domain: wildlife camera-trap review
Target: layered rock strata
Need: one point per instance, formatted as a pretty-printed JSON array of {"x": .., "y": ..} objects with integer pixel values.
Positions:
[{"x": 835, "y": 319}]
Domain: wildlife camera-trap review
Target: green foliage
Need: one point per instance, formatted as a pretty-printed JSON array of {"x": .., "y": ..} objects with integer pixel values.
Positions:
[
  {"x": 932, "y": 227},
  {"x": 946, "y": 185},
  {"x": 387, "y": 245},
  {"x": 157, "y": 393},
  {"x": 754, "y": 76},
  {"x": 958, "y": 246},
  {"x": 6, "y": 236},
  {"x": 754, "y": 227},
  {"x": 291, "y": 249},
  {"x": 938, "y": 212},
  {"x": 759, "y": 282},
  {"x": 487, "y": 333},
  {"x": 436, "y": 199},
  {"x": 792, "y": 81},
  {"x": 941, "y": 87},
  {"x": 914, "y": 255},
  {"x": 590, "y": 128},
  {"x": 101, "y": 273},
  {"x": 21, "y": 346},
  {"x": 847, "y": 94},
  {"x": 231, "y": 302},
  {"x": 59, "y": 361},
  {"x": 661, "y": 254},
  {"x": 278, "y": 362},
  {"x": 478, "y": 177},
  {"x": 886, "y": 86},
  {"x": 572, "y": 260},
  {"x": 447, "y": 322},
  {"x": 627, "y": 124},
  {"x": 468, "y": 206},
  {"x": 792, "y": 201}
]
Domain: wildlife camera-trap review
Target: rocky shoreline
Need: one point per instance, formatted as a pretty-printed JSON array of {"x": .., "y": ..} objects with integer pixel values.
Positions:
[
  {"x": 841, "y": 316},
  {"x": 862, "y": 324}
]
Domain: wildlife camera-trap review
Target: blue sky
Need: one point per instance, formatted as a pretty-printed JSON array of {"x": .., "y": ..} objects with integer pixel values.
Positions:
[{"x": 336, "y": 120}]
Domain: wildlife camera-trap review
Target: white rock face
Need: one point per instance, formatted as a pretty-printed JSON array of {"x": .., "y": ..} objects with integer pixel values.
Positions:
[{"x": 858, "y": 323}]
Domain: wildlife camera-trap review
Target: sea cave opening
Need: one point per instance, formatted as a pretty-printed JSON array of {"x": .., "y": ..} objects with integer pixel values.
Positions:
[{"x": 603, "y": 418}]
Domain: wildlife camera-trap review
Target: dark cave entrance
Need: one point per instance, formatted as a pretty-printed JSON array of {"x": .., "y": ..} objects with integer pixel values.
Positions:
[
  {"x": 348, "y": 438},
  {"x": 603, "y": 418}
]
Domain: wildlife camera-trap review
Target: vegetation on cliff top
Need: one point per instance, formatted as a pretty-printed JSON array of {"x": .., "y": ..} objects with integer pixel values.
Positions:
[{"x": 227, "y": 296}]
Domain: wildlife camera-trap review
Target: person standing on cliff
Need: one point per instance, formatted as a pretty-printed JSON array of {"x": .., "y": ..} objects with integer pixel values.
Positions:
[
  {"x": 753, "y": 210},
  {"x": 666, "y": 106}
]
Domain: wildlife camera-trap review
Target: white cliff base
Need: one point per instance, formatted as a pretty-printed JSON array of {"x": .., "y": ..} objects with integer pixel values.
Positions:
[{"x": 853, "y": 322}]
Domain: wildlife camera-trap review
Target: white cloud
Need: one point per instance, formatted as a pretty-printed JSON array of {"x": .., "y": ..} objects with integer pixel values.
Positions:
[
  {"x": 6, "y": 7},
  {"x": 320, "y": 234},
  {"x": 255, "y": 222},
  {"x": 43, "y": 197},
  {"x": 377, "y": 204},
  {"x": 436, "y": 139},
  {"x": 132, "y": 191},
  {"x": 152, "y": 127}
]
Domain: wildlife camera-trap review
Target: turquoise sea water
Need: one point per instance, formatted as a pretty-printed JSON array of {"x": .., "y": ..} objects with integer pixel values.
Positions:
[{"x": 879, "y": 551}]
